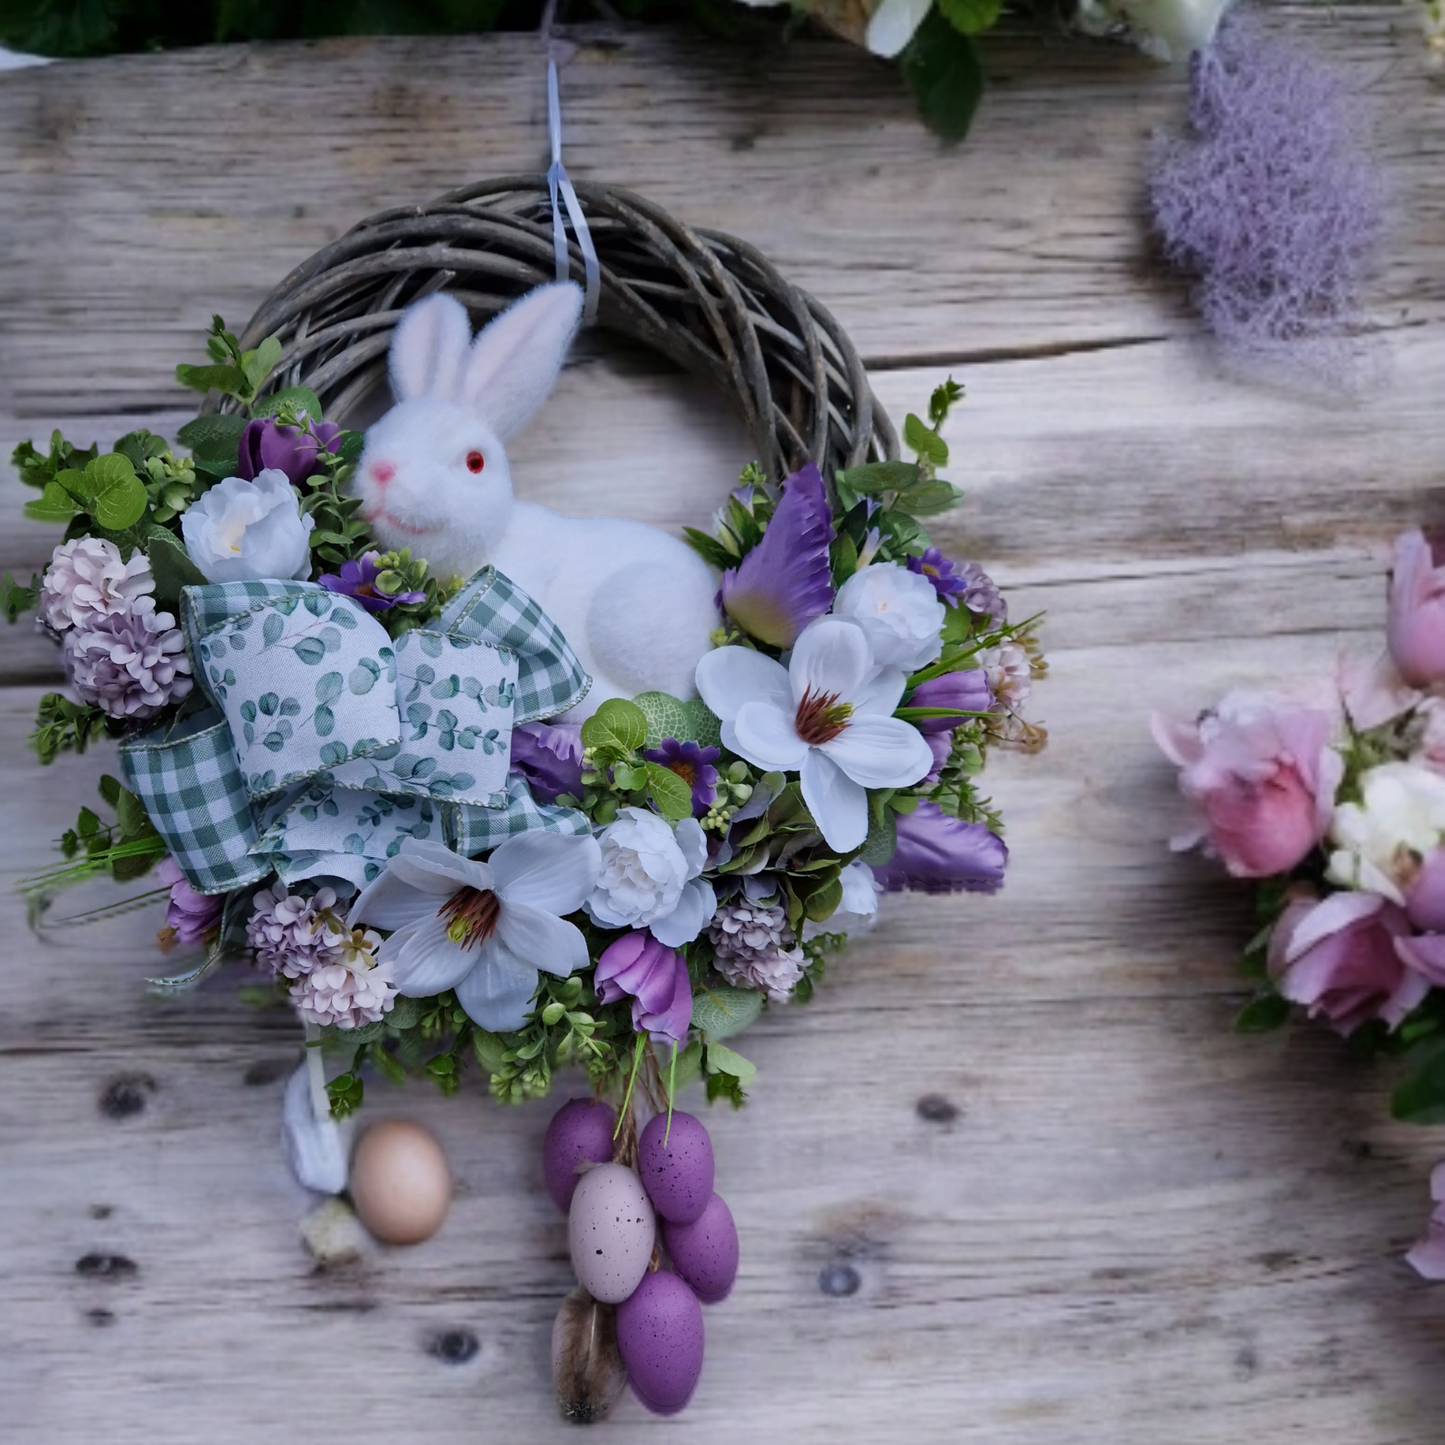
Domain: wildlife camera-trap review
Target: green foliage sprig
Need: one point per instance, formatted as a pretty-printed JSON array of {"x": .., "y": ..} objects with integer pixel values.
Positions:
[{"x": 65, "y": 726}]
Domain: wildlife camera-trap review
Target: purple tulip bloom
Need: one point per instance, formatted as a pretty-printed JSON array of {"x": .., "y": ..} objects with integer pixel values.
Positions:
[
  {"x": 549, "y": 757},
  {"x": 966, "y": 690},
  {"x": 968, "y": 584},
  {"x": 786, "y": 580},
  {"x": 190, "y": 914},
  {"x": 693, "y": 763},
  {"x": 358, "y": 580},
  {"x": 938, "y": 853},
  {"x": 655, "y": 977},
  {"x": 265, "y": 443}
]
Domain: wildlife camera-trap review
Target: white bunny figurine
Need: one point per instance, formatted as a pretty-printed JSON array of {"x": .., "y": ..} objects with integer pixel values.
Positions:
[{"x": 636, "y": 605}]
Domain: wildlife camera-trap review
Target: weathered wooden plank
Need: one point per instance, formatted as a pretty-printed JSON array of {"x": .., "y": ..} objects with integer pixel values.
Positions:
[{"x": 142, "y": 193}]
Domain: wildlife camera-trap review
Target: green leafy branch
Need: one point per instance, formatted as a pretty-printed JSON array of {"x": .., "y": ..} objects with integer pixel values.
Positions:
[
  {"x": 126, "y": 848},
  {"x": 65, "y": 726},
  {"x": 615, "y": 776},
  {"x": 233, "y": 372}
]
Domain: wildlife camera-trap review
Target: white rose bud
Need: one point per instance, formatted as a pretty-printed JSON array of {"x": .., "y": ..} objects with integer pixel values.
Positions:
[{"x": 249, "y": 531}]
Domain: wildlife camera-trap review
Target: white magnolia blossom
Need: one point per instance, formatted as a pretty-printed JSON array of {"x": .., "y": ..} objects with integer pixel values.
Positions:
[
  {"x": 88, "y": 579},
  {"x": 649, "y": 877},
  {"x": 483, "y": 929},
  {"x": 242, "y": 531},
  {"x": 1379, "y": 841},
  {"x": 827, "y": 716},
  {"x": 900, "y": 612},
  {"x": 858, "y": 910}
]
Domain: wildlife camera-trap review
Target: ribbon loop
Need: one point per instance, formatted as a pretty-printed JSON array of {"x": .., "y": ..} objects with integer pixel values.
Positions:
[{"x": 559, "y": 182}]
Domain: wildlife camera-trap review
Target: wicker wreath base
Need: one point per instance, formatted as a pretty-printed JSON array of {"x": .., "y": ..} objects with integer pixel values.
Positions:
[{"x": 707, "y": 301}]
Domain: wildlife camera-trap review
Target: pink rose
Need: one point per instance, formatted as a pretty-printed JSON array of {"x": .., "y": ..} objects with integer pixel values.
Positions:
[
  {"x": 1338, "y": 957},
  {"x": 1263, "y": 776},
  {"x": 1416, "y": 623}
]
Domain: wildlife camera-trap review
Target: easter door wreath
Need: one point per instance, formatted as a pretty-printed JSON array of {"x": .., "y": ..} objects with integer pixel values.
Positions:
[{"x": 474, "y": 782}]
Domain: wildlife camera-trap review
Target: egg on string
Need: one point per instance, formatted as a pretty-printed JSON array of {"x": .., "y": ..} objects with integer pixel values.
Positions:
[
  {"x": 705, "y": 1252},
  {"x": 581, "y": 1130},
  {"x": 400, "y": 1184},
  {"x": 660, "y": 1337},
  {"x": 676, "y": 1164},
  {"x": 611, "y": 1230}
]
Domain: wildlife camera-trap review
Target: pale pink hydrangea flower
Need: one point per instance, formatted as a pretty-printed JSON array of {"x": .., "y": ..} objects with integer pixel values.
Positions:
[
  {"x": 129, "y": 663},
  {"x": 341, "y": 996},
  {"x": 88, "y": 579}
]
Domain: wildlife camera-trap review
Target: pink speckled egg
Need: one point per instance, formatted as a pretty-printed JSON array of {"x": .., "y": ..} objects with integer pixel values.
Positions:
[
  {"x": 581, "y": 1130},
  {"x": 705, "y": 1252},
  {"x": 611, "y": 1230},
  {"x": 678, "y": 1173},
  {"x": 659, "y": 1333}
]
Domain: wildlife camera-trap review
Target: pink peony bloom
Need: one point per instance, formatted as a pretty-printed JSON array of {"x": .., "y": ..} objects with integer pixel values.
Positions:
[
  {"x": 1339, "y": 958},
  {"x": 1262, "y": 775},
  {"x": 1416, "y": 623}
]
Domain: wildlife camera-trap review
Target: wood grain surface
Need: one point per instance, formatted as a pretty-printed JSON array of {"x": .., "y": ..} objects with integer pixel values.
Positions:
[{"x": 1077, "y": 1208}]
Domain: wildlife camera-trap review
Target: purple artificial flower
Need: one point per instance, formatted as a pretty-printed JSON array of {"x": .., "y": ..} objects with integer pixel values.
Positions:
[
  {"x": 189, "y": 915},
  {"x": 938, "y": 853},
  {"x": 1272, "y": 203},
  {"x": 968, "y": 584},
  {"x": 266, "y": 444},
  {"x": 656, "y": 977},
  {"x": 358, "y": 580},
  {"x": 693, "y": 763},
  {"x": 132, "y": 663},
  {"x": 966, "y": 690},
  {"x": 787, "y": 579},
  {"x": 549, "y": 757}
]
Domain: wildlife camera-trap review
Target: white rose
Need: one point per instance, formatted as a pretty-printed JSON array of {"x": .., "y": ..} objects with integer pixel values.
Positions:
[
  {"x": 650, "y": 879},
  {"x": 857, "y": 911},
  {"x": 1380, "y": 840},
  {"x": 900, "y": 612},
  {"x": 249, "y": 531}
]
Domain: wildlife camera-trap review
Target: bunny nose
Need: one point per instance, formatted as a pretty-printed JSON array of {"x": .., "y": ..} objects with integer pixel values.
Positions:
[{"x": 383, "y": 471}]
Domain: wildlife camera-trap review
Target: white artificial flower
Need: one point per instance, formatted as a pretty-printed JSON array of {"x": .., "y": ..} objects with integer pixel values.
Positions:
[
  {"x": 1168, "y": 30},
  {"x": 892, "y": 24},
  {"x": 857, "y": 911},
  {"x": 249, "y": 531},
  {"x": 483, "y": 929},
  {"x": 900, "y": 612},
  {"x": 87, "y": 579},
  {"x": 1380, "y": 840},
  {"x": 827, "y": 716},
  {"x": 1009, "y": 672},
  {"x": 649, "y": 877}
]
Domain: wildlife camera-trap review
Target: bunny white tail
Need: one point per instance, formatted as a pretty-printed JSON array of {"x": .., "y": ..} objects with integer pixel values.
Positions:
[{"x": 636, "y": 604}]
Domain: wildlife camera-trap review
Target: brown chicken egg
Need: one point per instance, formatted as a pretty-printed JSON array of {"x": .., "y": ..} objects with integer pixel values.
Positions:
[{"x": 400, "y": 1183}]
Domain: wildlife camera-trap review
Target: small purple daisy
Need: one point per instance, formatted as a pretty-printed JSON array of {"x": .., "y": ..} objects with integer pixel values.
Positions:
[
  {"x": 358, "y": 580},
  {"x": 693, "y": 763},
  {"x": 969, "y": 584}
]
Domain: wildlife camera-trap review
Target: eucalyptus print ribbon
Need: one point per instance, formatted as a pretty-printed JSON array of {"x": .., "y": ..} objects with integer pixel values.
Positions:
[{"x": 317, "y": 710}]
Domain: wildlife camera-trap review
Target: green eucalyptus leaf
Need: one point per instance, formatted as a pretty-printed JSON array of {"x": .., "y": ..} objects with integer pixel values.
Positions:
[
  {"x": 670, "y": 795},
  {"x": 667, "y": 717},
  {"x": 722, "y": 1060},
  {"x": 882, "y": 839},
  {"x": 228, "y": 379},
  {"x": 722, "y": 1012},
  {"x": 617, "y": 726},
  {"x": 213, "y": 434},
  {"x": 875, "y": 477},
  {"x": 259, "y": 364},
  {"x": 925, "y": 441},
  {"x": 55, "y": 504},
  {"x": 119, "y": 495},
  {"x": 300, "y": 398}
]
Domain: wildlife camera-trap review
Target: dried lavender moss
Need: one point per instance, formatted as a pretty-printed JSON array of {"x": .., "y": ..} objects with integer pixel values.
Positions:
[{"x": 1271, "y": 204}]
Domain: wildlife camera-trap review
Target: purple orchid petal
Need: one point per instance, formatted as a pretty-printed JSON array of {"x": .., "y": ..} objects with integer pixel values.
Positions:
[
  {"x": 266, "y": 444},
  {"x": 786, "y": 580},
  {"x": 938, "y": 853},
  {"x": 656, "y": 979},
  {"x": 966, "y": 690}
]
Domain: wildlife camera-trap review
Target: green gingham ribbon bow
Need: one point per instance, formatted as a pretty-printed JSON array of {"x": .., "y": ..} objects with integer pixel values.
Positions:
[{"x": 328, "y": 741}]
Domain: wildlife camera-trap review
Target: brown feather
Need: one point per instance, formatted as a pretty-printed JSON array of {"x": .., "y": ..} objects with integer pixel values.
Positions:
[{"x": 587, "y": 1370}]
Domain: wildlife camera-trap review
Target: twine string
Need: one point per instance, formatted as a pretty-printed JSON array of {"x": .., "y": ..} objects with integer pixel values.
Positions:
[{"x": 559, "y": 182}]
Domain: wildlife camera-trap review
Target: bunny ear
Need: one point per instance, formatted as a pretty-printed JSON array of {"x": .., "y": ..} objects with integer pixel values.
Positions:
[
  {"x": 517, "y": 355},
  {"x": 429, "y": 348}
]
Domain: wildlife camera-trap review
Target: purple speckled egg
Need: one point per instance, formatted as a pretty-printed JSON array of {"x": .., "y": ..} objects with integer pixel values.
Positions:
[
  {"x": 611, "y": 1231},
  {"x": 677, "y": 1174},
  {"x": 659, "y": 1333},
  {"x": 705, "y": 1252},
  {"x": 580, "y": 1130}
]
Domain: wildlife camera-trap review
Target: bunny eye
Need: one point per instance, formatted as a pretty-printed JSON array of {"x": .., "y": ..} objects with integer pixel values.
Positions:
[{"x": 475, "y": 462}]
